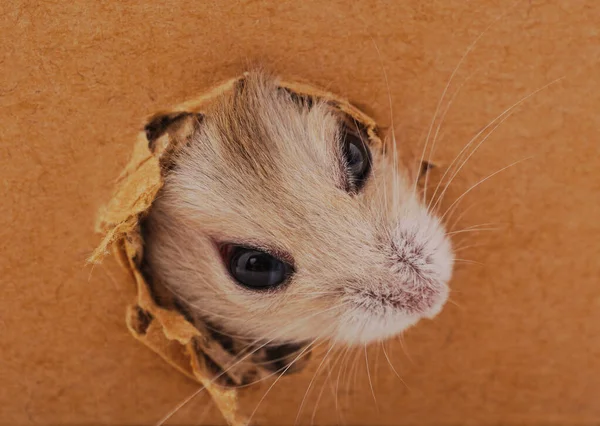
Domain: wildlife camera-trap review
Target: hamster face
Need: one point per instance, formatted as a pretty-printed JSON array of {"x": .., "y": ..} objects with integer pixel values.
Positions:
[{"x": 279, "y": 223}]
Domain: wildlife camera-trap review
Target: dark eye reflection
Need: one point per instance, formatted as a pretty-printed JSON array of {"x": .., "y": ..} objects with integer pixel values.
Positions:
[
  {"x": 357, "y": 158},
  {"x": 254, "y": 268}
]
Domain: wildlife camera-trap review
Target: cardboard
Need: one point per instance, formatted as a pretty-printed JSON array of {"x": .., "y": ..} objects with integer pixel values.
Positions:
[{"x": 519, "y": 346}]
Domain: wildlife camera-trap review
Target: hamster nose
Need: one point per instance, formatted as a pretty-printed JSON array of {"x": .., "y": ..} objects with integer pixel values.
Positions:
[
  {"x": 418, "y": 264},
  {"x": 408, "y": 254}
]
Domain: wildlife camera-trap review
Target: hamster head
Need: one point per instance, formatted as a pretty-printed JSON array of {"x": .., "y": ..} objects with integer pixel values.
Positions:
[{"x": 283, "y": 219}]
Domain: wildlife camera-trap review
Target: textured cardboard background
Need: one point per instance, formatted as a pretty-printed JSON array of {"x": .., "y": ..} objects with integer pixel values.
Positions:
[{"x": 522, "y": 345}]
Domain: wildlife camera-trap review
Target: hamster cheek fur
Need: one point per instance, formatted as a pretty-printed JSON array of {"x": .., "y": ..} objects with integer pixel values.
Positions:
[{"x": 266, "y": 171}]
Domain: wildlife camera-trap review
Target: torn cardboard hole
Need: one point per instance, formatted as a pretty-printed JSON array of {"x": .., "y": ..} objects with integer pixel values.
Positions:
[{"x": 194, "y": 351}]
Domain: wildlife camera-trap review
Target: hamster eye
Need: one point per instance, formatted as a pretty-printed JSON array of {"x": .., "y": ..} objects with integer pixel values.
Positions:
[
  {"x": 253, "y": 268},
  {"x": 357, "y": 159}
]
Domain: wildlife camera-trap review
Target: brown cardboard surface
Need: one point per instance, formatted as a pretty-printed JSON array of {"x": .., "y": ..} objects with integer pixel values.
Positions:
[{"x": 519, "y": 346}]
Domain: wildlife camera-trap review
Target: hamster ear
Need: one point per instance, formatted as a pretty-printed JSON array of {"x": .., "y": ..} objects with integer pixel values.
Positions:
[
  {"x": 426, "y": 173},
  {"x": 425, "y": 167},
  {"x": 178, "y": 125}
]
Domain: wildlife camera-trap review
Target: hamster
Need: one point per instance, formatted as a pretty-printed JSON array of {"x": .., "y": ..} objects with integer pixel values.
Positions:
[{"x": 283, "y": 221}]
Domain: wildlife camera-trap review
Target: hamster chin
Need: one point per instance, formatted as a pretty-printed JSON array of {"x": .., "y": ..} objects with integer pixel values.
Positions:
[
  {"x": 374, "y": 317},
  {"x": 285, "y": 219}
]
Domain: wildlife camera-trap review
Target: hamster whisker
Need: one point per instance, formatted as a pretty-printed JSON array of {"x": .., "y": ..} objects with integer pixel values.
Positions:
[
  {"x": 452, "y": 75},
  {"x": 459, "y": 306},
  {"x": 475, "y": 228},
  {"x": 277, "y": 379},
  {"x": 391, "y": 108},
  {"x": 439, "y": 126},
  {"x": 355, "y": 367},
  {"x": 485, "y": 179},
  {"x": 369, "y": 377},
  {"x": 312, "y": 345},
  {"x": 463, "y": 248},
  {"x": 469, "y": 261},
  {"x": 494, "y": 124},
  {"x": 187, "y": 400},
  {"x": 179, "y": 406},
  {"x": 299, "y": 322},
  {"x": 343, "y": 360},
  {"x": 404, "y": 347},
  {"x": 309, "y": 346},
  {"x": 328, "y": 365},
  {"x": 285, "y": 330},
  {"x": 465, "y": 231},
  {"x": 377, "y": 363},
  {"x": 392, "y": 365},
  {"x": 210, "y": 403},
  {"x": 339, "y": 364},
  {"x": 452, "y": 226},
  {"x": 281, "y": 372},
  {"x": 348, "y": 366},
  {"x": 311, "y": 382}
]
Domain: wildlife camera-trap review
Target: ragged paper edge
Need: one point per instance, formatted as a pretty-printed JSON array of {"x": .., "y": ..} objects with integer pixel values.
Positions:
[{"x": 168, "y": 333}]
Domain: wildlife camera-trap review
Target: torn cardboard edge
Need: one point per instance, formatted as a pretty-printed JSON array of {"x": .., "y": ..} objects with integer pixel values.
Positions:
[{"x": 167, "y": 332}]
